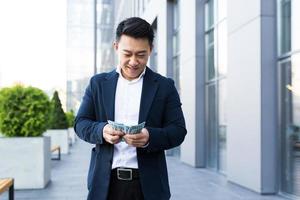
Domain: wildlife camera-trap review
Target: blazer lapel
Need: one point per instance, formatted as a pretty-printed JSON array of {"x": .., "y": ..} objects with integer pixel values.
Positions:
[
  {"x": 108, "y": 94},
  {"x": 150, "y": 86}
]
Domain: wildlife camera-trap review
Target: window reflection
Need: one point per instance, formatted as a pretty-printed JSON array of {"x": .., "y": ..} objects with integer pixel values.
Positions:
[
  {"x": 80, "y": 49},
  {"x": 176, "y": 44},
  {"x": 290, "y": 133},
  {"x": 216, "y": 69},
  {"x": 212, "y": 137},
  {"x": 175, "y": 56},
  {"x": 209, "y": 14},
  {"x": 285, "y": 26},
  {"x": 222, "y": 48},
  {"x": 222, "y": 124}
]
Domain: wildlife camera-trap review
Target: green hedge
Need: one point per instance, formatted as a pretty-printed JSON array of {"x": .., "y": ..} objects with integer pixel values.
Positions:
[
  {"x": 70, "y": 118},
  {"x": 23, "y": 111}
]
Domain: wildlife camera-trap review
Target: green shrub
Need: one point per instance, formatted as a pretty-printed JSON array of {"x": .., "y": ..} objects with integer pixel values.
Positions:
[
  {"x": 58, "y": 119},
  {"x": 70, "y": 118},
  {"x": 23, "y": 111}
]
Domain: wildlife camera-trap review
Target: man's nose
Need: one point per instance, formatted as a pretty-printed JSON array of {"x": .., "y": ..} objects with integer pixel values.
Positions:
[{"x": 133, "y": 61}]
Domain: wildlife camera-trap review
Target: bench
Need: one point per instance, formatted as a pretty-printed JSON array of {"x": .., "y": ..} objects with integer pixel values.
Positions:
[
  {"x": 7, "y": 184},
  {"x": 56, "y": 148}
]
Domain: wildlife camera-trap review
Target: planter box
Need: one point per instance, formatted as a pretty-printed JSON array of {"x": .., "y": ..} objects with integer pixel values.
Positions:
[
  {"x": 27, "y": 160},
  {"x": 72, "y": 135},
  {"x": 59, "y": 137}
]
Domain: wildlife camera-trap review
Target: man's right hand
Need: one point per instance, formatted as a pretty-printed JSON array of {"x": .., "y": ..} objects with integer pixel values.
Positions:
[{"x": 112, "y": 136}]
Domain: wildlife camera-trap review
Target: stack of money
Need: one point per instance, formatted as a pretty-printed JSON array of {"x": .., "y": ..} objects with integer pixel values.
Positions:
[{"x": 127, "y": 129}]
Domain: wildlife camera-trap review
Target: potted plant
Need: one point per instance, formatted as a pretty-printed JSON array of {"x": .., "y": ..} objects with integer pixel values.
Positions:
[
  {"x": 70, "y": 118},
  {"x": 58, "y": 125},
  {"x": 24, "y": 152}
]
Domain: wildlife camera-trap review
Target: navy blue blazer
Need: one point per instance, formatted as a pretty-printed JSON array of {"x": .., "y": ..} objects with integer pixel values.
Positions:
[{"x": 160, "y": 108}]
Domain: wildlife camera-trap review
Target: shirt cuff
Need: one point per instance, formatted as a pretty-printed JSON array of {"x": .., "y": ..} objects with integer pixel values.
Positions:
[{"x": 145, "y": 145}]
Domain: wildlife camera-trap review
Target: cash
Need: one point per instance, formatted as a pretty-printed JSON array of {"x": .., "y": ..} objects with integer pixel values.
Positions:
[{"x": 127, "y": 129}]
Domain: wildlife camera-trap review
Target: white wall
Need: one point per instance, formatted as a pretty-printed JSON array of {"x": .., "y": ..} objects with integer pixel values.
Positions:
[
  {"x": 252, "y": 93},
  {"x": 244, "y": 94},
  {"x": 188, "y": 77}
]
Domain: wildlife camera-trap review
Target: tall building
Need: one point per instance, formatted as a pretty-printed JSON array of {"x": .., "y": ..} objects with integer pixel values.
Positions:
[
  {"x": 105, "y": 37},
  {"x": 236, "y": 67},
  {"x": 80, "y": 49}
]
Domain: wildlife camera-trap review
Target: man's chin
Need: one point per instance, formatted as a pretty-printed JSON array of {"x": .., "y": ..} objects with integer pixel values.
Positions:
[{"x": 134, "y": 75}]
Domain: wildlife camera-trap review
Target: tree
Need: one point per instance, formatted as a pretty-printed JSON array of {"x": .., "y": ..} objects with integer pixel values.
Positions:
[{"x": 58, "y": 119}]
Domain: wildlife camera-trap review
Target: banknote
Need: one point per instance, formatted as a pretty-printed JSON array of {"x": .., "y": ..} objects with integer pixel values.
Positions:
[{"x": 127, "y": 129}]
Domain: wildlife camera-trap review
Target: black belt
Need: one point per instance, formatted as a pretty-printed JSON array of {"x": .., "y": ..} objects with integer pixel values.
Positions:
[{"x": 125, "y": 174}]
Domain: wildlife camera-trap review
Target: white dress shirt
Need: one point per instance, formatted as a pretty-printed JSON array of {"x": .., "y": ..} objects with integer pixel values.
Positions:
[{"x": 127, "y": 108}]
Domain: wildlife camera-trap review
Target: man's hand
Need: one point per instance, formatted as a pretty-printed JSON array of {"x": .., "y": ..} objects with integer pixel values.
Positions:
[
  {"x": 112, "y": 136},
  {"x": 137, "y": 140}
]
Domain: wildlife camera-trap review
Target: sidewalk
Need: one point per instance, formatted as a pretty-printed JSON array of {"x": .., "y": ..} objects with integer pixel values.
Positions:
[{"x": 68, "y": 181}]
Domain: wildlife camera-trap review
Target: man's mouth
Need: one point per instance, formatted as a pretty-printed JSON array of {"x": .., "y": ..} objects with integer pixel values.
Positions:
[{"x": 133, "y": 68}]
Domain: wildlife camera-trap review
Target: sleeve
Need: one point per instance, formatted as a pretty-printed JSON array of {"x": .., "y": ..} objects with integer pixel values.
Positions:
[
  {"x": 173, "y": 131},
  {"x": 86, "y": 126}
]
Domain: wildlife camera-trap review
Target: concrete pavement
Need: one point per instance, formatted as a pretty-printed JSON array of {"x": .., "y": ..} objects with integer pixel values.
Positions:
[{"x": 68, "y": 181}]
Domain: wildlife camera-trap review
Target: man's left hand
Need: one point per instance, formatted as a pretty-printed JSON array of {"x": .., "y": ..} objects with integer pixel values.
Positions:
[{"x": 137, "y": 140}]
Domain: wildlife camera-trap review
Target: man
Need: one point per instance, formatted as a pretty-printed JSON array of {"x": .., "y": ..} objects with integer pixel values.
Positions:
[{"x": 130, "y": 166}]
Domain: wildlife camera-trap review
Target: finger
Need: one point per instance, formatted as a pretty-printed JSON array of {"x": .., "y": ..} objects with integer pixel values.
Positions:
[
  {"x": 127, "y": 139},
  {"x": 118, "y": 133},
  {"x": 114, "y": 139},
  {"x": 133, "y": 136},
  {"x": 135, "y": 143}
]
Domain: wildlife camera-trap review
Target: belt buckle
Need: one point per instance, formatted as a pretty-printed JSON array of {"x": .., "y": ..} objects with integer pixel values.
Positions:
[{"x": 119, "y": 170}]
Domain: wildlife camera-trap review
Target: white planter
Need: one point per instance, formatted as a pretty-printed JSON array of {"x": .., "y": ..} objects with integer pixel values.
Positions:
[
  {"x": 27, "y": 160},
  {"x": 59, "y": 137},
  {"x": 72, "y": 135}
]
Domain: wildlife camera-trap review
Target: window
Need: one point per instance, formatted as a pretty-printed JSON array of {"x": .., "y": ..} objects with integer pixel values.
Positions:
[
  {"x": 176, "y": 44},
  {"x": 216, "y": 70},
  {"x": 289, "y": 98}
]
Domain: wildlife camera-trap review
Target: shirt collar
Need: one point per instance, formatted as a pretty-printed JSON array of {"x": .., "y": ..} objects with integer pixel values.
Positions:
[{"x": 118, "y": 70}]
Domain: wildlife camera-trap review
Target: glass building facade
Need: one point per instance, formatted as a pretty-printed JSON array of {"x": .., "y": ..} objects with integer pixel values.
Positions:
[
  {"x": 89, "y": 44},
  {"x": 216, "y": 69},
  {"x": 176, "y": 43},
  {"x": 80, "y": 49},
  {"x": 153, "y": 56},
  {"x": 105, "y": 28},
  {"x": 289, "y": 95},
  {"x": 82, "y": 52}
]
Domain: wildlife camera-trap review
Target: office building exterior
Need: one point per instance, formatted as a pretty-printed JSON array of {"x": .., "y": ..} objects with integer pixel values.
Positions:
[{"x": 236, "y": 65}]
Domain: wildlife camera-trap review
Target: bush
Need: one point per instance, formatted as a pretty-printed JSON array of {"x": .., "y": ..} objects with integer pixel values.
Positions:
[
  {"x": 70, "y": 118},
  {"x": 58, "y": 119},
  {"x": 23, "y": 111}
]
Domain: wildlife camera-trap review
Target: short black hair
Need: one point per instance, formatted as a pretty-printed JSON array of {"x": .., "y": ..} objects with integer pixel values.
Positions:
[{"x": 137, "y": 28}]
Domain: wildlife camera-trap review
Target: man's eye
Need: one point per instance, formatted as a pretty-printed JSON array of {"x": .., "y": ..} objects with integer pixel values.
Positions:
[
  {"x": 127, "y": 55},
  {"x": 141, "y": 55}
]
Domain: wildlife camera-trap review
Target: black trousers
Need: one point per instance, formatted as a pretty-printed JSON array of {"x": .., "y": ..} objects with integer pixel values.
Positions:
[{"x": 124, "y": 189}]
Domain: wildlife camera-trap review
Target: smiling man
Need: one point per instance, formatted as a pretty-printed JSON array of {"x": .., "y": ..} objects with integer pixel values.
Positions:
[{"x": 130, "y": 166}]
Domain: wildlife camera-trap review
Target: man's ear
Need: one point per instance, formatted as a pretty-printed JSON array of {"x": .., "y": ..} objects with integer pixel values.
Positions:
[
  {"x": 116, "y": 46},
  {"x": 151, "y": 48}
]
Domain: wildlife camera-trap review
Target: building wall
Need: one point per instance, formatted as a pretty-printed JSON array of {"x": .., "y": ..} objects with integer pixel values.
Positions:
[
  {"x": 251, "y": 95},
  {"x": 192, "y": 90},
  {"x": 251, "y": 85}
]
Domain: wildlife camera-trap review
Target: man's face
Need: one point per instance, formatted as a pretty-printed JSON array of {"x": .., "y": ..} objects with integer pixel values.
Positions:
[{"x": 133, "y": 55}]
